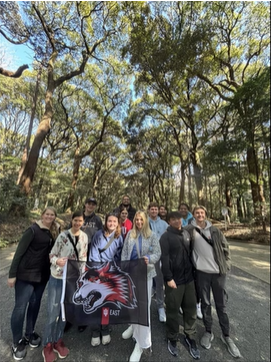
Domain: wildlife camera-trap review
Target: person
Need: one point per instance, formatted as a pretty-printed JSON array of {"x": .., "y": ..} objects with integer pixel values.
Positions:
[
  {"x": 187, "y": 217},
  {"x": 178, "y": 275},
  {"x": 141, "y": 242},
  {"x": 125, "y": 224},
  {"x": 162, "y": 213},
  {"x": 158, "y": 226},
  {"x": 211, "y": 258},
  {"x": 70, "y": 244},
  {"x": 126, "y": 202},
  {"x": 184, "y": 210},
  {"x": 92, "y": 222},
  {"x": 28, "y": 274},
  {"x": 106, "y": 245}
]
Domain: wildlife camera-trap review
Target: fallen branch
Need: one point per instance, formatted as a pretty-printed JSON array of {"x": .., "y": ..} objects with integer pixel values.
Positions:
[{"x": 17, "y": 74}]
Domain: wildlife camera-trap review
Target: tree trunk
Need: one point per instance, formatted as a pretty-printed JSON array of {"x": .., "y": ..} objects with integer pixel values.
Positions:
[
  {"x": 30, "y": 127},
  {"x": 255, "y": 183},
  {"x": 239, "y": 208},
  {"x": 75, "y": 174},
  {"x": 182, "y": 194}
]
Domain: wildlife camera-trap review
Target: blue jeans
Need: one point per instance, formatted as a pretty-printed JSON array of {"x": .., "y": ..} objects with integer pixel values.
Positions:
[
  {"x": 26, "y": 294},
  {"x": 55, "y": 326}
]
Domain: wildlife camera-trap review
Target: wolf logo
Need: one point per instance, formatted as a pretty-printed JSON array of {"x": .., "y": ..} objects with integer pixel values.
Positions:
[{"x": 104, "y": 284}]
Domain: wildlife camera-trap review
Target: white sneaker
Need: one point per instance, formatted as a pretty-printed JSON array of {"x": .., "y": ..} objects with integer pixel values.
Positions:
[
  {"x": 95, "y": 341},
  {"x": 106, "y": 339},
  {"x": 136, "y": 355},
  {"x": 128, "y": 332},
  {"x": 199, "y": 314},
  {"x": 180, "y": 310},
  {"x": 162, "y": 315}
]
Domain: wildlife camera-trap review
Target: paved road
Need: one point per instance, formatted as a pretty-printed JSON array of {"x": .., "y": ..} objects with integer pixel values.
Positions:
[{"x": 249, "y": 311}]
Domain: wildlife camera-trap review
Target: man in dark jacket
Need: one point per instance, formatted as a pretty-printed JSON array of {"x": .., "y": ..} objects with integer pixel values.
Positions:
[
  {"x": 126, "y": 202},
  {"x": 177, "y": 269}
]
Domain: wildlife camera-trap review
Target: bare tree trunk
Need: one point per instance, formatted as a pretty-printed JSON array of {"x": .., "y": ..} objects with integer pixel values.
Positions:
[{"x": 30, "y": 127}]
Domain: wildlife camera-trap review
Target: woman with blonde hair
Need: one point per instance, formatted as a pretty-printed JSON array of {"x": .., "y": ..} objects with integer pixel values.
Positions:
[
  {"x": 141, "y": 242},
  {"x": 28, "y": 274}
]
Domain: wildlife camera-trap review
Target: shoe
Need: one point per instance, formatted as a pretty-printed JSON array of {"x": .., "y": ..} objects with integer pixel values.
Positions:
[
  {"x": 136, "y": 355},
  {"x": 232, "y": 348},
  {"x": 180, "y": 310},
  {"x": 193, "y": 349},
  {"x": 95, "y": 341},
  {"x": 106, "y": 339},
  {"x": 81, "y": 328},
  {"x": 48, "y": 353},
  {"x": 128, "y": 332},
  {"x": 199, "y": 314},
  {"x": 206, "y": 340},
  {"x": 60, "y": 348},
  {"x": 162, "y": 315},
  {"x": 19, "y": 351},
  {"x": 34, "y": 340},
  {"x": 172, "y": 347}
]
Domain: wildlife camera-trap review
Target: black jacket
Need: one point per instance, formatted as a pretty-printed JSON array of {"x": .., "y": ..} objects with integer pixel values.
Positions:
[
  {"x": 31, "y": 260},
  {"x": 175, "y": 258}
]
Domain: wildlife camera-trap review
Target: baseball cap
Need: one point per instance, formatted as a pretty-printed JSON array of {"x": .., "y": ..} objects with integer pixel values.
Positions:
[{"x": 91, "y": 199}]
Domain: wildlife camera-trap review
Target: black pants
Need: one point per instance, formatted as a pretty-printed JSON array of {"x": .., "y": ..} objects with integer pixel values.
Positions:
[
  {"x": 215, "y": 282},
  {"x": 184, "y": 296}
]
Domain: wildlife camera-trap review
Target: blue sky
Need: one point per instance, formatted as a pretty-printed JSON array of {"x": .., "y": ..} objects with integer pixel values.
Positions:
[{"x": 13, "y": 56}]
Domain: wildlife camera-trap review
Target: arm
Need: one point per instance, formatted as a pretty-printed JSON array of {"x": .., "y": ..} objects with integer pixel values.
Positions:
[
  {"x": 55, "y": 255},
  {"x": 225, "y": 246},
  {"x": 164, "y": 243},
  {"x": 21, "y": 249},
  {"x": 94, "y": 254},
  {"x": 83, "y": 246},
  {"x": 155, "y": 255},
  {"x": 124, "y": 252}
]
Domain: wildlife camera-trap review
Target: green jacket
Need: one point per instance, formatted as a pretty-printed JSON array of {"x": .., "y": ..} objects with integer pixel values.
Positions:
[{"x": 220, "y": 247}]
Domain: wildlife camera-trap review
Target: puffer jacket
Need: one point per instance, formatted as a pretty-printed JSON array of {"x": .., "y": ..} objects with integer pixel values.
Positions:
[{"x": 176, "y": 258}]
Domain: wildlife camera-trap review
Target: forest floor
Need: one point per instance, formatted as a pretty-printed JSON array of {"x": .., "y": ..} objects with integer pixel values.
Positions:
[{"x": 11, "y": 229}]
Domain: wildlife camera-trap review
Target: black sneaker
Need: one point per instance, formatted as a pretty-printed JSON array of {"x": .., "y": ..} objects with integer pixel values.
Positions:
[
  {"x": 19, "y": 351},
  {"x": 34, "y": 340},
  {"x": 172, "y": 347},
  {"x": 193, "y": 349}
]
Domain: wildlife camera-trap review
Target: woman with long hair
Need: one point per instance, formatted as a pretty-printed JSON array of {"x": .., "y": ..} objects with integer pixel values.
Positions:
[
  {"x": 70, "y": 244},
  {"x": 106, "y": 245},
  {"x": 29, "y": 273},
  {"x": 141, "y": 242}
]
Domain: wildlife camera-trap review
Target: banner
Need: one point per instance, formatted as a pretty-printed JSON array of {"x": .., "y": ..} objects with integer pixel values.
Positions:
[{"x": 105, "y": 293}]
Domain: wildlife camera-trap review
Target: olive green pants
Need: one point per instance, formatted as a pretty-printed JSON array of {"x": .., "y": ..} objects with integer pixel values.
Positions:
[{"x": 184, "y": 296}]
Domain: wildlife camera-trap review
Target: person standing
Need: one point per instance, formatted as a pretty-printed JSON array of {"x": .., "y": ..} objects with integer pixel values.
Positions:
[
  {"x": 92, "y": 222},
  {"x": 70, "y": 244},
  {"x": 28, "y": 274},
  {"x": 211, "y": 258},
  {"x": 158, "y": 226},
  {"x": 125, "y": 224},
  {"x": 106, "y": 246},
  {"x": 162, "y": 213},
  {"x": 141, "y": 242},
  {"x": 126, "y": 202},
  {"x": 177, "y": 270}
]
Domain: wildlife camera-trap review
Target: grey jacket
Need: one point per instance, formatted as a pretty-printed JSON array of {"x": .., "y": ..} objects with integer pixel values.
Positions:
[
  {"x": 220, "y": 247},
  {"x": 150, "y": 247}
]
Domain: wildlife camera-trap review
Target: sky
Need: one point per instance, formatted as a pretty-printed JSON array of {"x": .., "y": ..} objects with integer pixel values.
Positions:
[{"x": 13, "y": 56}]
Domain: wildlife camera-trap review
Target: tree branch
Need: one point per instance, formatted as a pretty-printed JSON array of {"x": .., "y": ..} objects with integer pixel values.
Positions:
[{"x": 17, "y": 74}]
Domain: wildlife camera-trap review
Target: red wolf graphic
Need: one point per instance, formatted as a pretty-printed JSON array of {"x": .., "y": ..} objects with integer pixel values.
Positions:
[{"x": 100, "y": 285}]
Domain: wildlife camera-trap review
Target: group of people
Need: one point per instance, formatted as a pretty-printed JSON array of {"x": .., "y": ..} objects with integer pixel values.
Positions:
[{"x": 186, "y": 257}]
